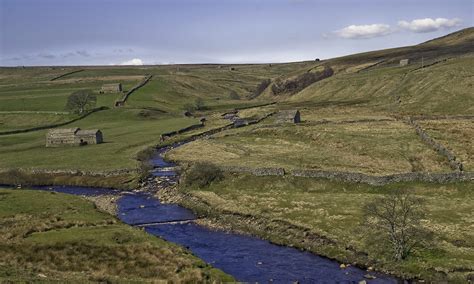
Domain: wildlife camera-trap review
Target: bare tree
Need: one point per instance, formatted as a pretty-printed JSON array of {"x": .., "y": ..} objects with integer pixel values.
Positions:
[
  {"x": 395, "y": 219},
  {"x": 81, "y": 101}
]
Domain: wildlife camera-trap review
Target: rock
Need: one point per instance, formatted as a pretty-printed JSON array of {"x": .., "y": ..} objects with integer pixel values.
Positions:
[
  {"x": 142, "y": 206},
  {"x": 342, "y": 266},
  {"x": 370, "y": 268},
  {"x": 369, "y": 276},
  {"x": 42, "y": 275},
  {"x": 362, "y": 282}
]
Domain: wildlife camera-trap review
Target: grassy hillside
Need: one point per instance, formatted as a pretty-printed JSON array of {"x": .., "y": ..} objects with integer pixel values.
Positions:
[
  {"x": 443, "y": 86},
  {"x": 47, "y": 236}
]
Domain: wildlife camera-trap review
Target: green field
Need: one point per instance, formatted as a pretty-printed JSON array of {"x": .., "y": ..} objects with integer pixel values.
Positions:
[
  {"x": 125, "y": 134},
  {"x": 64, "y": 238},
  {"x": 456, "y": 135}
]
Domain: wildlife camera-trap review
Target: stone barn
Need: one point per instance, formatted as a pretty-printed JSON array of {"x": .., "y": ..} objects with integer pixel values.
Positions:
[
  {"x": 73, "y": 137},
  {"x": 288, "y": 116},
  {"x": 404, "y": 62},
  {"x": 111, "y": 88}
]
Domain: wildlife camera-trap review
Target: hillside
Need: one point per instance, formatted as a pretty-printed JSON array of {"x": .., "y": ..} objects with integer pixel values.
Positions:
[{"x": 442, "y": 86}]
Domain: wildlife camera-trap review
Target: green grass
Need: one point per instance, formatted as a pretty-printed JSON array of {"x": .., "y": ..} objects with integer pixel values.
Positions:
[
  {"x": 15, "y": 121},
  {"x": 59, "y": 237},
  {"x": 125, "y": 134},
  {"x": 333, "y": 210}
]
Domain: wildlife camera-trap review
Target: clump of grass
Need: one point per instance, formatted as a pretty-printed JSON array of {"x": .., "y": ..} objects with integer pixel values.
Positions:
[{"x": 202, "y": 174}]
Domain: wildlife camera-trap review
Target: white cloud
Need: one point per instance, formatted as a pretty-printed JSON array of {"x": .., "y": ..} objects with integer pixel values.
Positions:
[
  {"x": 429, "y": 25},
  {"x": 134, "y": 61},
  {"x": 364, "y": 31}
]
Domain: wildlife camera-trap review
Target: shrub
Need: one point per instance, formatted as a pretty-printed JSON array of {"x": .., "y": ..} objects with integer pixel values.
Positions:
[
  {"x": 202, "y": 174},
  {"x": 199, "y": 104},
  {"x": 16, "y": 177},
  {"x": 233, "y": 95},
  {"x": 188, "y": 107}
]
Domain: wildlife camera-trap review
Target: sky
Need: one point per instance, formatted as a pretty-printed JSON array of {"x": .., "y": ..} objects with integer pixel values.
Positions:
[{"x": 136, "y": 32}]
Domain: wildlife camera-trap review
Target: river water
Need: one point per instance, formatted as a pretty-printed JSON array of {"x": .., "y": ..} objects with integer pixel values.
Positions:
[{"x": 247, "y": 258}]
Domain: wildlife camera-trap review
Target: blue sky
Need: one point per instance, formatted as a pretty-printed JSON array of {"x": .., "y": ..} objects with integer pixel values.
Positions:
[{"x": 102, "y": 32}]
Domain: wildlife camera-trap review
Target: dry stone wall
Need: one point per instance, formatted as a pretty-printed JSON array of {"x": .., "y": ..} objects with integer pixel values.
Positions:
[
  {"x": 438, "y": 147},
  {"x": 122, "y": 101},
  {"x": 356, "y": 177},
  {"x": 66, "y": 74}
]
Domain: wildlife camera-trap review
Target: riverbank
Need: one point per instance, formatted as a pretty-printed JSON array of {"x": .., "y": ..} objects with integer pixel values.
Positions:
[
  {"x": 105, "y": 203},
  {"x": 56, "y": 237},
  {"x": 123, "y": 180},
  {"x": 324, "y": 217}
]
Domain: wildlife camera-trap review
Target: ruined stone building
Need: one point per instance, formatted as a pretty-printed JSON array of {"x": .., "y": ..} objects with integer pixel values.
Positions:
[
  {"x": 72, "y": 137},
  {"x": 111, "y": 88},
  {"x": 288, "y": 116},
  {"x": 404, "y": 62}
]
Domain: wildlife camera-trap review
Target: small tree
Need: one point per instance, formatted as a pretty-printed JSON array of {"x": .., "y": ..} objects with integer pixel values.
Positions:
[
  {"x": 81, "y": 101},
  {"x": 395, "y": 219}
]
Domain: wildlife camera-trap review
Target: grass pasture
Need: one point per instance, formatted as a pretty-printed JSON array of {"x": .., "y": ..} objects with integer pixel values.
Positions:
[
  {"x": 25, "y": 120},
  {"x": 56, "y": 237},
  {"x": 125, "y": 134},
  {"x": 376, "y": 148},
  {"x": 455, "y": 134}
]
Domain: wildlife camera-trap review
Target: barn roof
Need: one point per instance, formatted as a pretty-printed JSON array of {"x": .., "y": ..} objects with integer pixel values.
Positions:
[
  {"x": 64, "y": 130},
  {"x": 88, "y": 131},
  {"x": 288, "y": 113},
  {"x": 111, "y": 85}
]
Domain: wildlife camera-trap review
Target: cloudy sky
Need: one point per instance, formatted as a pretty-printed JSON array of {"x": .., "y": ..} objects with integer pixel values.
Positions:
[{"x": 102, "y": 32}]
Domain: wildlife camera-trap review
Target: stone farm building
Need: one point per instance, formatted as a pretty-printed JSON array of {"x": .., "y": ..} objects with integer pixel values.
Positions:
[
  {"x": 73, "y": 137},
  {"x": 288, "y": 116},
  {"x": 111, "y": 88},
  {"x": 404, "y": 62}
]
